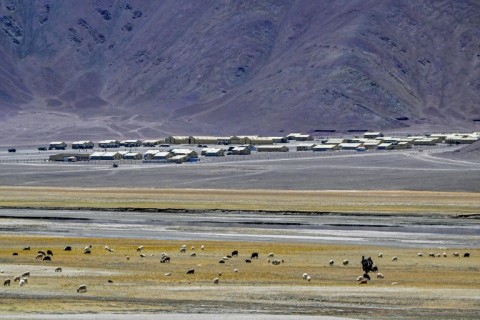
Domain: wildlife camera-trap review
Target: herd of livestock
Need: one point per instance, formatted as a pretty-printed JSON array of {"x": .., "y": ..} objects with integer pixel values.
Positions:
[{"x": 366, "y": 263}]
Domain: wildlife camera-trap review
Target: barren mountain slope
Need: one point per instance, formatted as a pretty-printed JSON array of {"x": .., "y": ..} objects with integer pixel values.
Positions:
[{"x": 73, "y": 69}]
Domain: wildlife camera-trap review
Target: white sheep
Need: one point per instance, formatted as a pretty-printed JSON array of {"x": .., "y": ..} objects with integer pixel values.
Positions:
[
  {"x": 380, "y": 276},
  {"x": 140, "y": 248},
  {"x": 271, "y": 254},
  {"x": 168, "y": 274},
  {"x": 304, "y": 276},
  {"x": 235, "y": 270},
  {"x": 331, "y": 262},
  {"x": 394, "y": 258},
  {"x": 216, "y": 280},
  {"x": 22, "y": 282},
  {"x": 26, "y": 274},
  {"x": 193, "y": 254},
  {"x": 444, "y": 254},
  {"x": 380, "y": 255},
  {"x": 202, "y": 247},
  {"x": 309, "y": 278}
]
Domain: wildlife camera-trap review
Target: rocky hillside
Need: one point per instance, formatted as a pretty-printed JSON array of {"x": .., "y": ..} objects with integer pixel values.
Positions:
[{"x": 131, "y": 68}]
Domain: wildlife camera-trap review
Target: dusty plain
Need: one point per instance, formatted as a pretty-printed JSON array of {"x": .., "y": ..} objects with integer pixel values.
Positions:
[{"x": 414, "y": 287}]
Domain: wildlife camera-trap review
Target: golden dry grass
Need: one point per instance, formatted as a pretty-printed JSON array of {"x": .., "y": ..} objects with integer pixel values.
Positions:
[
  {"x": 378, "y": 202},
  {"x": 261, "y": 284}
]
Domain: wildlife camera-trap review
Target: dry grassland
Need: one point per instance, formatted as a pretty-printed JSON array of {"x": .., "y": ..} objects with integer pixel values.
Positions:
[
  {"x": 426, "y": 287},
  {"x": 358, "y": 202}
]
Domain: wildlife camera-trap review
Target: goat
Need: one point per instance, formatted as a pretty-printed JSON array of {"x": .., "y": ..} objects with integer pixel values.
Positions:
[
  {"x": 26, "y": 248},
  {"x": 26, "y": 274},
  {"x": 82, "y": 288},
  {"x": 235, "y": 253},
  {"x": 190, "y": 271},
  {"x": 67, "y": 248},
  {"x": 47, "y": 258},
  {"x": 466, "y": 255},
  {"x": 254, "y": 255},
  {"x": 6, "y": 282},
  {"x": 58, "y": 269},
  {"x": 248, "y": 261},
  {"x": 50, "y": 252}
]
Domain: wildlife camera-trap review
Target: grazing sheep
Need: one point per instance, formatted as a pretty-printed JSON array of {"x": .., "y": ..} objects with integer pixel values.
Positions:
[
  {"x": 47, "y": 258},
  {"x": 6, "y": 282},
  {"x": 254, "y": 255},
  {"x": 444, "y": 254},
  {"x": 50, "y": 252},
  {"x": 192, "y": 248},
  {"x": 456, "y": 254},
  {"x": 16, "y": 278},
  {"x": 374, "y": 269},
  {"x": 229, "y": 256},
  {"x": 168, "y": 274},
  {"x": 276, "y": 262},
  {"x": 58, "y": 269},
  {"x": 202, "y": 247},
  {"x": 26, "y": 248},
  {"x": 39, "y": 256},
  {"x": 142, "y": 255},
  {"x": 420, "y": 254},
  {"x": 41, "y": 252},
  {"x": 270, "y": 255},
  {"x": 394, "y": 258},
  {"x": 380, "y": 255},
  {"x": 216, "y": 280},
  {"x": 331, "y": 262},
  {"x": 26, "y": 274},
  {"x": 110, "y": 281},
  {"x": 193, "y": 254},
  {"x": 183, "y": 250},
  {"x": 248, "y": 261},
  {"x": 366, "y": 276},
  {"x": 235, "y": 253},
  {"x": 15, "y": 254},
  {"x": 190, "y": 271},
  {"x": 235, "y": 270},
  {"x": 431, "y": 254},
  {"x": 394, "y": 283},
  {"x": 165, "y": 259},
  {"x": 309, "y": 278},
  {"x": 109, "y": 249},
  {"x": 221, "y": 261},
  {"x": 219, "y": 274},
  {"x": 140, "y": 248},
  {"x": 128, "y": 258},
  {"x": 82, "y": 288},
  {"x": 67, "y": 248},
  {"x": 22, "y": 282},
  {"x": 359, "y": 278},
  {"x": 363, "y": 281},
  {"x": 2, "y": 271},
  {"x": 304, "y": 276},
  {"x": 438, "y": 255},
  {"x": 87, "y": 251},
  {"x": 345, "y": 262},
  {"x": 380, "y": 276},
  {"x": 466, "y": 255}
]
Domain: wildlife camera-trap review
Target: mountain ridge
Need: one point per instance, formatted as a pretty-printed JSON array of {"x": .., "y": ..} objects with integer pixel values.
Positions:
[{"x": 147, "y": 68}]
